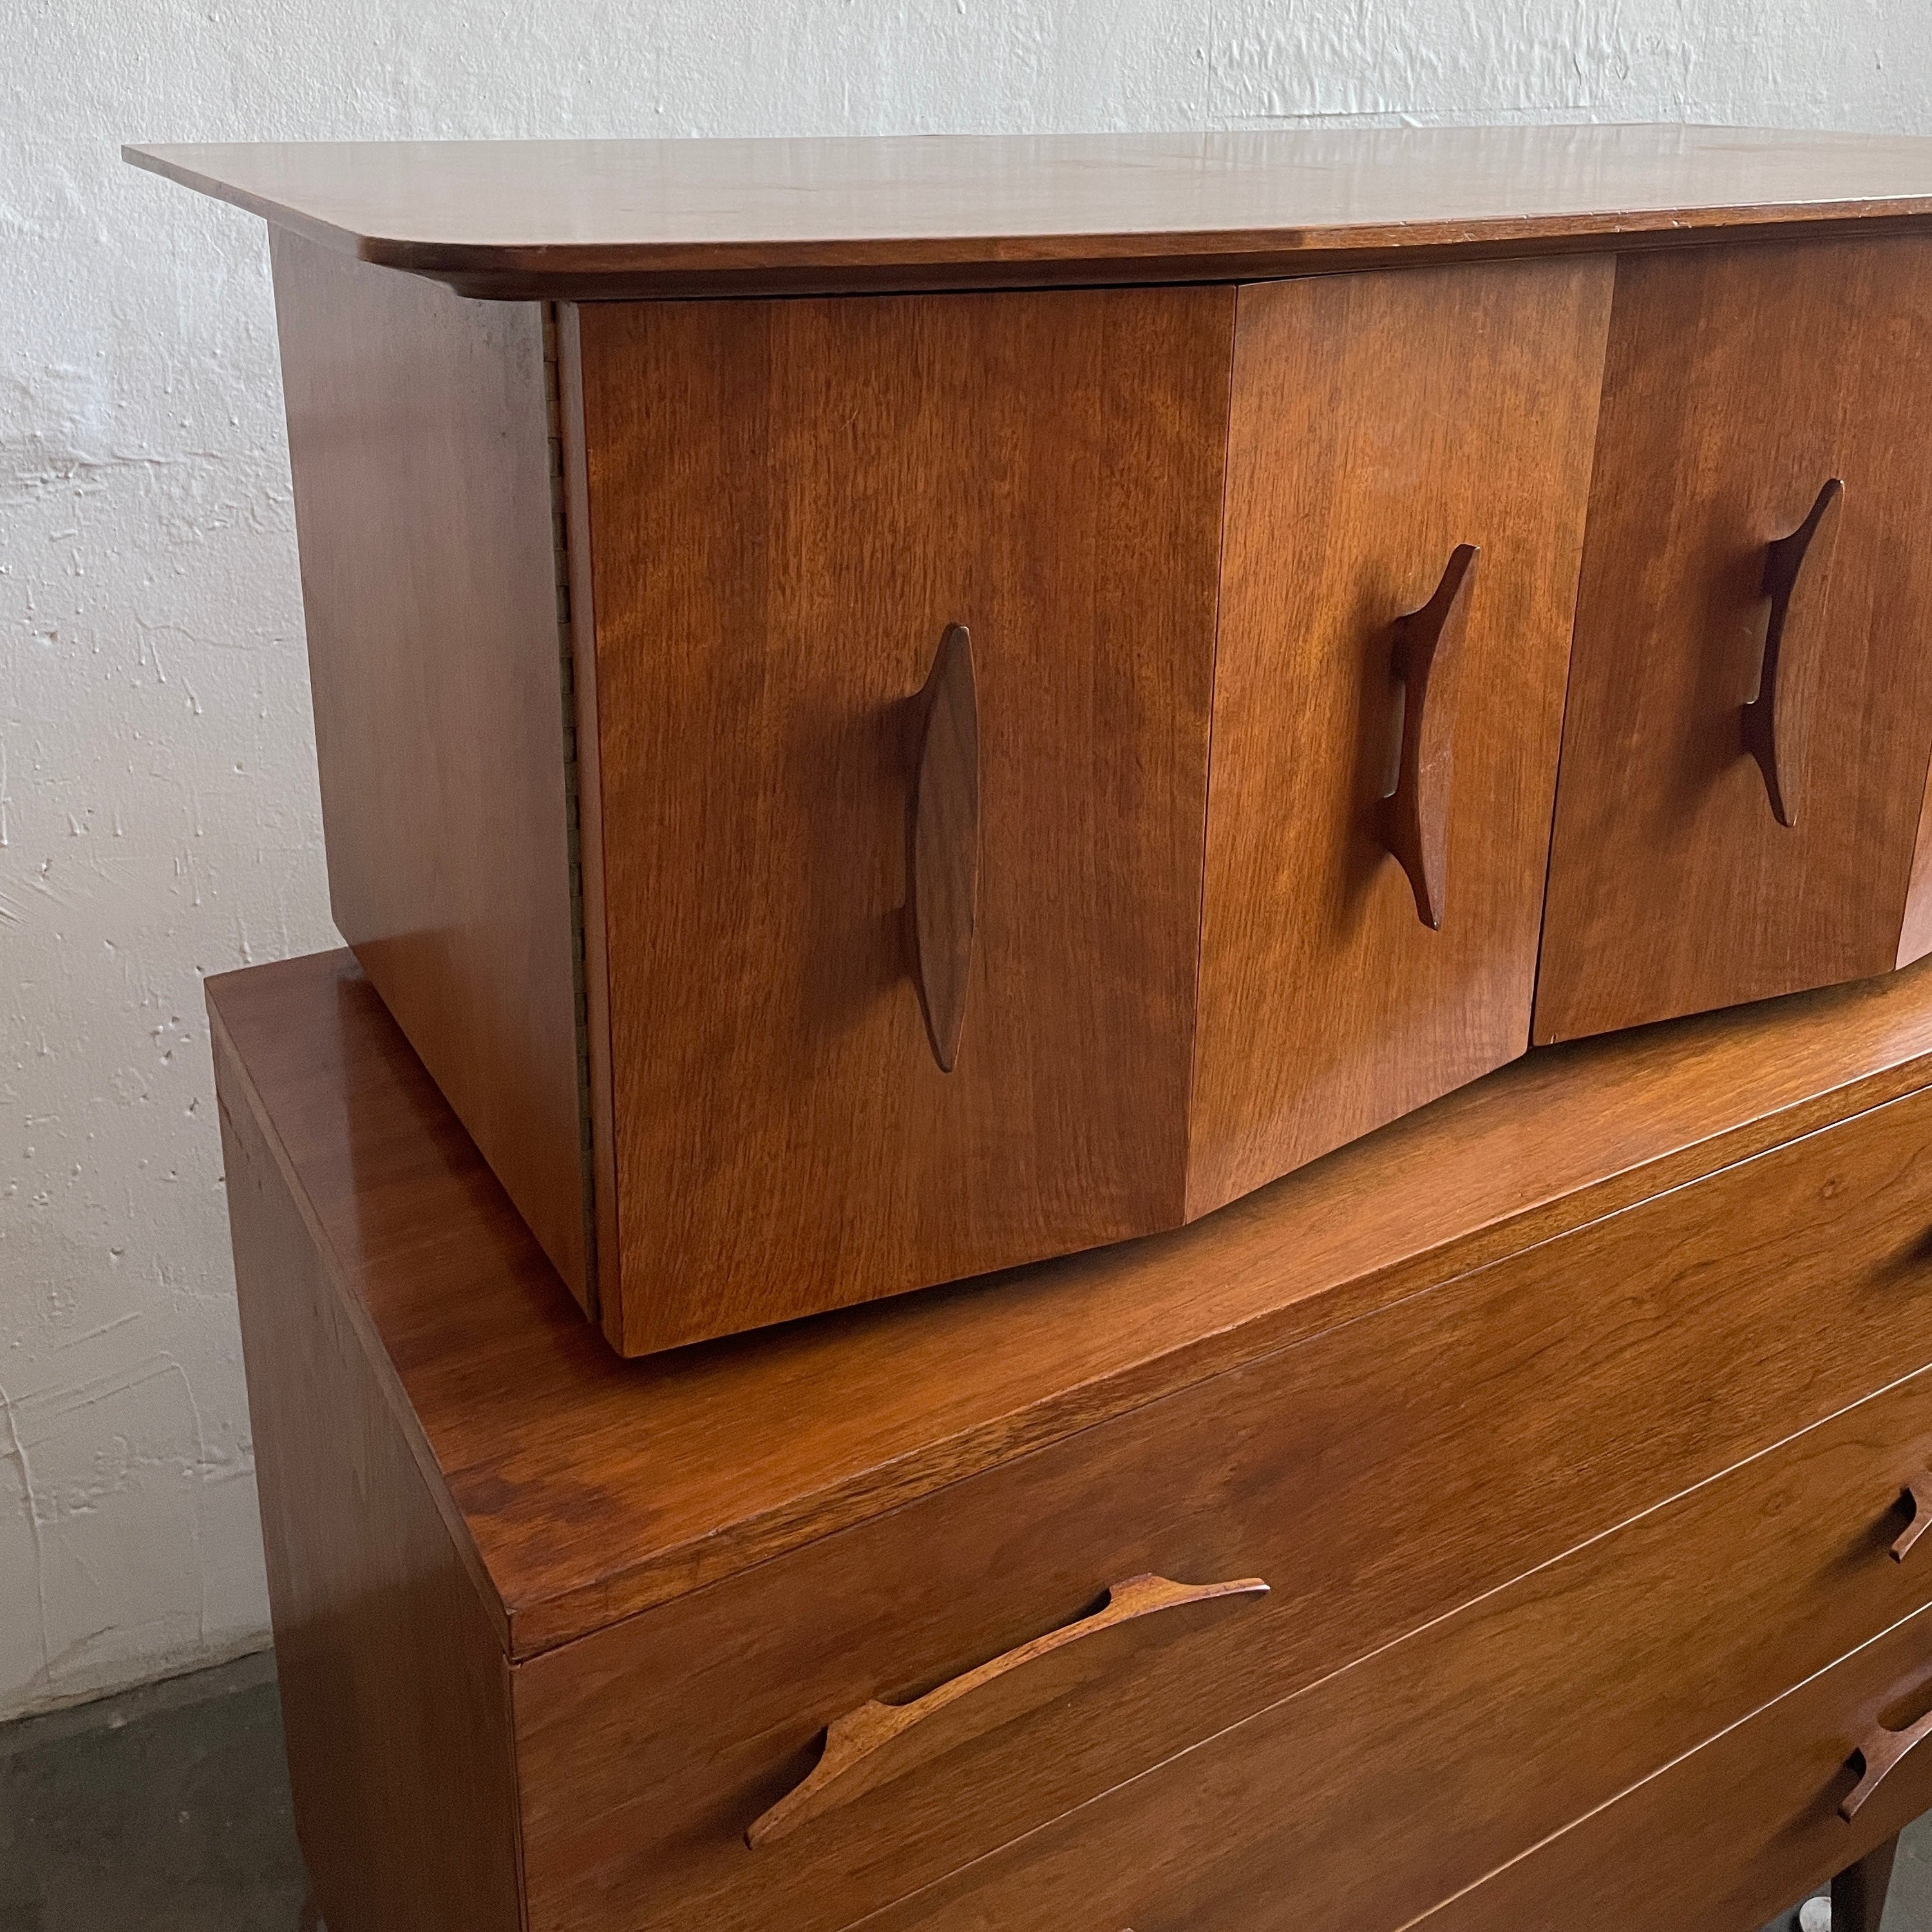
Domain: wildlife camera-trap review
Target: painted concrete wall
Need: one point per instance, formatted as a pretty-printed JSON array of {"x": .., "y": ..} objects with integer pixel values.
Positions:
[{"x": 158, "y": 816}]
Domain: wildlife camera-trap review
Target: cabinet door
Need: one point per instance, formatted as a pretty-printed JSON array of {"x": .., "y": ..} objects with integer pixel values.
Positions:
[
  {"x": 1739, "y": 382},
  {"x": 1380, "y": 423},
  {"x": 790, "y": 503}
]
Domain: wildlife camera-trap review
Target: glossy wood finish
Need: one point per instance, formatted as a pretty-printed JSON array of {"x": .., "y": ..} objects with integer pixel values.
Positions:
[
  {"x": 879, "y": 1741},
  {"x": 1475, "y": 1396},
  {"x": 394, "y": 1688},
  {"x": 1378, "y": 1791},
  {"x": 420, "y": 443},
  {"x": 646, "y": 1748},
  {"x": 594, "y": 1488},
  {"x": 1733, "y": 1832},
  {"x": 1379, "y": 422},
  {"x": 602, "y": 219},
  {"x": 788, "y": 1144},
  {"x": 1672, "y": 887}
]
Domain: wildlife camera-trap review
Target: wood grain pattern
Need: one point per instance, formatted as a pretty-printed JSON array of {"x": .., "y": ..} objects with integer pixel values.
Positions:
[
  {"x": 879, "y": 1741},
  {"x": 1535, "y": 1404},
  {"x": 418, "y": 437},
  {"x": 1380, "y": 1791},
  {"x": 1671, "y": 887},
  {"x": 1379, "y": 421},
  {"x": 603, "y": 219},
  {"x": 395, "y": 1688},
  {"x": 1734, "y": 1832},
  {"x": 943, "y": 843},
  {"x": 788, "y": 1145},
  {"x": 593, "y": 1488}
]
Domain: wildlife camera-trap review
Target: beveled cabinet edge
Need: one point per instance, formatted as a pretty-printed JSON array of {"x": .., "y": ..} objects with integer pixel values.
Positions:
[
  {"x": 923, "y": 252},
  {"x": 593, "y": 952}
]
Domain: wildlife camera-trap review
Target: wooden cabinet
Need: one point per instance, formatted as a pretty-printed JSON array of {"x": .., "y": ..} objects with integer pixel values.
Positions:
[
  {"x": 1570, "y": 1424},
  {"x": 1383, "y": 427},
  {"x": 886, "y": 713},
  {"x": 879, "y": 915},
  {"x": 1740, "y": 383}
]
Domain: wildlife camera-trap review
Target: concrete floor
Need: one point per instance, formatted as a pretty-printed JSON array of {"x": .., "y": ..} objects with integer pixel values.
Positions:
[{"x": 167, "y": 1810}]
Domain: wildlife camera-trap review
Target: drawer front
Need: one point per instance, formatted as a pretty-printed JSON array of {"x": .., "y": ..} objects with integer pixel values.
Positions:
[
  {"x": 1376, "y": 1476},
  {"x": 1739, "y": 381},
  {"x": 1369, "y": 1798},
  {"x": 790, "y": 504},
  {"x": 1733, "y": 1834},
  {"x": 1380, "y": 423}
]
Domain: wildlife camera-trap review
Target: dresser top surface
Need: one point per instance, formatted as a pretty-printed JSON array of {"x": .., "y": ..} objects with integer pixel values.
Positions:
[
  {"x": 580, "y": 217},
  {"x": 590, "y": 1487}
]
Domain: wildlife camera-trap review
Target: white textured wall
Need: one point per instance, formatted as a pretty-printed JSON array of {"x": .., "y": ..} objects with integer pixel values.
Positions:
[{"x": 157, "y": 797}]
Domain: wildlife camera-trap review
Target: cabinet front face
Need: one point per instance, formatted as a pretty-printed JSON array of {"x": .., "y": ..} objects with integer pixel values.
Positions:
[
  {"x": 1742, "y": 384},
  {"x": 813, "y": 891},
  {"x": 1380, "y": 424}
]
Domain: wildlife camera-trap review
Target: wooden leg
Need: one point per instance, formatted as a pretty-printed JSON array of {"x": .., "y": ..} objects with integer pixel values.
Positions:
[
  {"x": 311, "y": 1920},
  {"x": 1858, "y": 1892}
]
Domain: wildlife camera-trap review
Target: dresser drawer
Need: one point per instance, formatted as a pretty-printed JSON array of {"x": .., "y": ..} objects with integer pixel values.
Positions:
[
  {"x": 1376, "y": 1476},
  {"x": 1727, "y": 1837},
  {"x": 1368, "y": 1798}
]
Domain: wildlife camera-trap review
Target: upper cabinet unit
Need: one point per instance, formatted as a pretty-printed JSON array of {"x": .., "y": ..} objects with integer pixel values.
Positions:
[
  {"x": 891, "y": 709},
  {"x": 1750, "y": 719}
]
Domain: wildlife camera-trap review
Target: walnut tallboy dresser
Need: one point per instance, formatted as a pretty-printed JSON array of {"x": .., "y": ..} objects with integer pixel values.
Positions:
[
  {"x": 892, "y": 709},
  {"x": 1053, "y": 717},
  {"x": 1508, "y": 1523}
]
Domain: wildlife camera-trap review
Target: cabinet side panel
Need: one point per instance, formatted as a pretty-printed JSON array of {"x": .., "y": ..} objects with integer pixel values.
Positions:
[
  {"x": 419, "y": 438},
  {"x": 395, "y": 1689}
]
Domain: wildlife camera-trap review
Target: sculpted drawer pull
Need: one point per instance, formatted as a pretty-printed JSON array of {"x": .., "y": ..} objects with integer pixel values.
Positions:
[
  {"x": 1877, "y": 1756},
  {"x": 1918, "y": 1494},
  {"x": 1774, "y": 721},
  {"x": 942, "y": 842},
  {"x": 1413, "y": 818},
  {"x": 864, "y": 1748}
]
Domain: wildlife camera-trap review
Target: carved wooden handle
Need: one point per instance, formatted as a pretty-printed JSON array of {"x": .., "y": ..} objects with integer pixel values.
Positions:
[
  {"x": 1773, "y": 723},
  {"x": 943, "y": 843},
  {"x": 1413, "y": 818},
  {"x": 1918, "y": 1494},
  {"x": 864, "y": 1748},
  {"x": 1877, "y": 1756}
]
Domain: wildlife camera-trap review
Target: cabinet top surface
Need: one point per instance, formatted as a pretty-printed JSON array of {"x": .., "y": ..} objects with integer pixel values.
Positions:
[
  {"x": 523, "y": 219},
  {"x": 590, "y": 1487}
]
